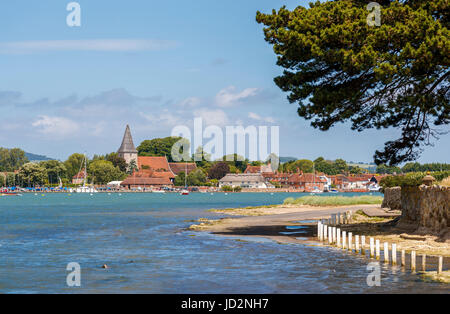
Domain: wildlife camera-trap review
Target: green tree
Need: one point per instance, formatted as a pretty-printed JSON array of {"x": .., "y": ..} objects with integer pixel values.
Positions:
[
  {"x": 236, "y": 160},
  {"x": 304, "y": 165},
  {"x": 339, "y": 68},
  {"x": 103, "y": 171},
  {"x": 341, "y": 165},
  {"x": 132, "y": 167},
  {"x": 55, "y": 170},
  {"x": 12, "y": 159},
  {"x": 2, "y": 180},
  {"x": 179, "y": 179},
  {"x": 161, "y": 147},
  {"x": 74, "y": 164},
  {"x": 202, "y": 158},
  {"x": 32, "y": 174},
  {"x": 117, "y": 161},
  {"x": 196, "y": 178}
]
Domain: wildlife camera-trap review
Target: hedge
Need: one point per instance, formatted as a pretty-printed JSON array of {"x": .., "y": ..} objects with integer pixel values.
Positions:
[{"x": 411, "y": 179}]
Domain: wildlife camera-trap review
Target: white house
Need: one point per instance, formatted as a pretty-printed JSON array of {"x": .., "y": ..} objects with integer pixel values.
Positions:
[{"x": 244, "y": 180}]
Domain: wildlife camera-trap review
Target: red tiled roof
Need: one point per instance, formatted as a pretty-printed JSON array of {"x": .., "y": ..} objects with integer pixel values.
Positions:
[
  {"x": 253, "y": 169},
  {"x": 155, "y": 163},
  {"x": 181, "y": 167},
  {"x": 79, "y": 175},
  {"x": 306, "y": 178}
]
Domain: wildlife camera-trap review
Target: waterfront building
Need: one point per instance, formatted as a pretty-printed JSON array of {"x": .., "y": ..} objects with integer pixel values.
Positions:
[
  {"x": 244, "y": 180},
  {"x": 79, "y": 177},
  {"x": 127, "y": 149},
  {"x": 307, "y": 181}
]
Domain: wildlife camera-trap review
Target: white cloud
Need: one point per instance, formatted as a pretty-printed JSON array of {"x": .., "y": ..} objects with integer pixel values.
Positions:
[
  {"x": 212, "y": 117},
  {"x": 228, "y": 96},
  {"x": 190, "y": 102},
  {"x": 55, "y": 126},
  {"x": 164, "y": 119},
  {"x": 122, "y": 45},
  {"x": 257, "y": 117}
]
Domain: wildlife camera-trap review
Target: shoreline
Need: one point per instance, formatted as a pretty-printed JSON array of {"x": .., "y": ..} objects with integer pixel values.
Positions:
[{"x": 295, "y": 224}]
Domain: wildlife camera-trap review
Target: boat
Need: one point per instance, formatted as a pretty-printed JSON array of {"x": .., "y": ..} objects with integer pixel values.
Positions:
[
  {"x": 6, "y": 193},
  {"x": 374, "y": 188},
  {"x": 85, "y": 188},
  {"x": 184, "y": 192},
  {"x": 158, "y": 191},
  {"x": 333, "y": 191}
]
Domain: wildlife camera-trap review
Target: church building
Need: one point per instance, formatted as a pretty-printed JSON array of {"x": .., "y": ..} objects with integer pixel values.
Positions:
[{"x": 127, "y": 150}]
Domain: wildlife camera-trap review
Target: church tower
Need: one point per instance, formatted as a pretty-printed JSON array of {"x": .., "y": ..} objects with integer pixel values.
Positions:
[{"x": 127, "y": 150}]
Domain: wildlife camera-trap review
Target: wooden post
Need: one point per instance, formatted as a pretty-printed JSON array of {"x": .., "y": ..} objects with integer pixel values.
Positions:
[
  {"x": 440, "y": 262},
  {"x": 403, "y": 258},
  {"x": 377, "y": 249},
  {"x": 334, "y": 234},
  {"x": 413, "y": 261},
  {"x": 386, "y": 252},
  {"x": 394, "y": 254},
  {"x": 424, "y": 261},
  {"x": 350, "y": 241},
  {"x": 356, "y": 243},
  {"x": 338, "y": 239},
  {"x": 372, "y": 248},
  {"x": 330, "y": 235},
  {"x": 344, "y": 242},
  {"x": 339, "y": 218},
  {"x": 325, "y": 229},
  {"x": 318, "y": 230},
  {"x": 363, "y": 245}
]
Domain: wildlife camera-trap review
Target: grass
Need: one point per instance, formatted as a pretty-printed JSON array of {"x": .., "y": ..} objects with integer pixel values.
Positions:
[{"x": 334, "y": 200}]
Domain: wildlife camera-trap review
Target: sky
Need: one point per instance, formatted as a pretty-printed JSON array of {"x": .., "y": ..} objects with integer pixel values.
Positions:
[{"x": 153, "y": 65}]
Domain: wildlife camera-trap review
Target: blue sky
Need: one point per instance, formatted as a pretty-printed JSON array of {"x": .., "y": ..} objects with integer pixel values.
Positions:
[{"x": 153, "y": 65}]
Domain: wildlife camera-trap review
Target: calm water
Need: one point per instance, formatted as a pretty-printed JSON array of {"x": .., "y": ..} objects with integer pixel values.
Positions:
[{"x": 142, "y": 238}]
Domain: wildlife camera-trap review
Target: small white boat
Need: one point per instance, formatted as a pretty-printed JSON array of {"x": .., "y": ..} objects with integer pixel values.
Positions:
[
  {"x": 184, "y": 192},
  {"x": 158, "y": 191}
]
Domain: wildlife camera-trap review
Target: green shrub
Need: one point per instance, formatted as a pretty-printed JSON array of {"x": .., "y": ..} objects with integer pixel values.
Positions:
[
  {"x": 237, "y": 189},
  {"x": 411, "y": 179},
  {"x": 227, "y": 188}
]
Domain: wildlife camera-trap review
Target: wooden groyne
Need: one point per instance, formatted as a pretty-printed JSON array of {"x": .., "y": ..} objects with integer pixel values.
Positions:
[{"x": 328, "y": 232}]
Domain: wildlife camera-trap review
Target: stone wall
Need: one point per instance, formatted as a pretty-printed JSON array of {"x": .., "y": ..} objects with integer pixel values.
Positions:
[
  {"x": 426, "y": 207},
  {"x": 392, "y": 198}
]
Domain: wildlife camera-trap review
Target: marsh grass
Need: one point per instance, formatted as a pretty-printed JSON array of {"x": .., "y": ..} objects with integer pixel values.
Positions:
[{"x": 334, "y": 200}]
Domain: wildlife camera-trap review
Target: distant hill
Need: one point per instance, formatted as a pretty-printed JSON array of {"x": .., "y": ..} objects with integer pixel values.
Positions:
[
  {"x": 287, "y": 159},
  {"x": 34, "y": 157},
  {"x": 369, "y": 167}
]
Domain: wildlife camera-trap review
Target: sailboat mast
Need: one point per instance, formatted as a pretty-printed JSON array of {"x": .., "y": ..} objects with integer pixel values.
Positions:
[
  {"x": 85, "y": 170},
  {"x": 185, "y": 175}
]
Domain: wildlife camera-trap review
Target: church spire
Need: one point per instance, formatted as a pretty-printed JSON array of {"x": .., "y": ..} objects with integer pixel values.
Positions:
[{"x": 127, "y": 143}]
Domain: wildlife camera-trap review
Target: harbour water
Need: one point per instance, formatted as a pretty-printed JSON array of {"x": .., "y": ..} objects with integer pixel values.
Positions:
[{"x": 142, "y": 238}]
